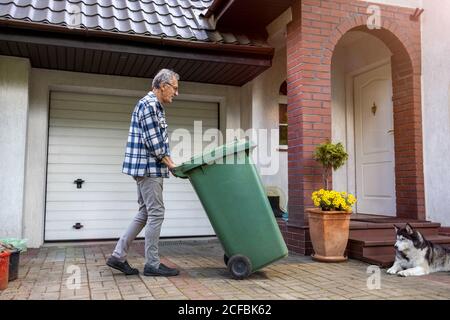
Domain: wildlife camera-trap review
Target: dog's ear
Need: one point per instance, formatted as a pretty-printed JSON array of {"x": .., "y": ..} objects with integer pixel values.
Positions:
[
  {"x": 409, "y": 229},
  {"x": 419, "y": 236},
  {"x": 396, "y": 228},
  {"x": 419, "y": 240}
]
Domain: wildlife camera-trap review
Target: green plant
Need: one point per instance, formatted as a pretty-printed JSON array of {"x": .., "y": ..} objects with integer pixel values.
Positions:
[{"x": 331, "y": 156}]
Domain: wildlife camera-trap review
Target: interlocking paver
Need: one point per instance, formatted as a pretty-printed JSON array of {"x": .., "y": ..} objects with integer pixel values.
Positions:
[{"x": 46, "y": 274}]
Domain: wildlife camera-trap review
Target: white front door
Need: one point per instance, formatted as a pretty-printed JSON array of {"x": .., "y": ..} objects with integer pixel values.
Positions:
[{"x": 374, "y": 142}]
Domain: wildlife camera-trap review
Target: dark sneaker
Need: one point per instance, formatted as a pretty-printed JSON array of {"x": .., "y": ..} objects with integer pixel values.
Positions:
[
  {"x": 124, "y": 267},
  {"x": 163, "y": 266},
  {"x": 162, "y": 271}
]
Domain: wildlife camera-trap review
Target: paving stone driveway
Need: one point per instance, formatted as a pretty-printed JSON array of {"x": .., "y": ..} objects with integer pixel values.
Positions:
[{"x": 46, "y": 273}]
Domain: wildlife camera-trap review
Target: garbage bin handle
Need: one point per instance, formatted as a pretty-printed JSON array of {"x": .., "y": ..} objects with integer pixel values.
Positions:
[{"x": 177, "y": 172}]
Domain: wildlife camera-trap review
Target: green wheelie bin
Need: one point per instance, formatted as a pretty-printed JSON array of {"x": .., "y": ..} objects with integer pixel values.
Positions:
[{"x": 232, "y": 194}]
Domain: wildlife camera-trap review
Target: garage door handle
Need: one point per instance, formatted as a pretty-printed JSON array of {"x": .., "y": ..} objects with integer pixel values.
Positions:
[
  {"x": 77, "y": 226},
  {"x": 79, "y": 182}
]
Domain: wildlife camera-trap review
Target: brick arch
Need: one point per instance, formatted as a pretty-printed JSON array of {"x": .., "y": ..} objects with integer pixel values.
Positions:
[
  {"x": 316, "y": 28},
  {"x": 390, "y": 33},
  {"x": 407, "y": 117}
]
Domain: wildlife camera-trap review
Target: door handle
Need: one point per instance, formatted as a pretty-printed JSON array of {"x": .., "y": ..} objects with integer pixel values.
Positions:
[
  {"x": 390, "y": 131},
  {"x": 77, "y": 226},
  {"x": 79, "y": 182}
]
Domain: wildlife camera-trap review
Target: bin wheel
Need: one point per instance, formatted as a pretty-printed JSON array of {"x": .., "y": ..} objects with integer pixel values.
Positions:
[
  {"x": 225, "y": 259},
  {"x": 239, "y": 266}
]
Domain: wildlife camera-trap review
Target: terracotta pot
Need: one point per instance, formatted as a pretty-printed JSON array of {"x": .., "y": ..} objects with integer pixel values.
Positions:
[{"x": 329, "y": 232}]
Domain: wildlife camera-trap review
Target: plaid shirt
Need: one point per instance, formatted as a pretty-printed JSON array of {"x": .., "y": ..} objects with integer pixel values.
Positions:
[{"x": 148, "y": 141}]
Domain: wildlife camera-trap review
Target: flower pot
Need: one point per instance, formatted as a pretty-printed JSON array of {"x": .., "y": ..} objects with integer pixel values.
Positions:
[
  {"x": 4, "y": 269},
  {"x": 14, "y": 261},
  {"x": 329, "y": 232}
]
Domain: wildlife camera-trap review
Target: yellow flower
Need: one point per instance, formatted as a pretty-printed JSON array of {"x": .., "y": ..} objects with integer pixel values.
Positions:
[{"x": 333, "y": 200}]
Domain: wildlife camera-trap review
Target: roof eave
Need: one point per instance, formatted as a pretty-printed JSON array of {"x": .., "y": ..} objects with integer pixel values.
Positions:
[{"x": 230, "y": 48}]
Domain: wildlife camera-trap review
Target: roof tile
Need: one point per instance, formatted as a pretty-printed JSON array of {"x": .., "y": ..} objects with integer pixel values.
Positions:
[{"x": 176, "y": 19}]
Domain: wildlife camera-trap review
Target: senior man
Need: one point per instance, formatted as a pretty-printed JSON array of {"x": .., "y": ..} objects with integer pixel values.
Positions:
[{"x": 147, "y": 160}]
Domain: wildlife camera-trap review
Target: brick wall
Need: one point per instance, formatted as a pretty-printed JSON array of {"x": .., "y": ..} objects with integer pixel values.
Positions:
[
  {"x": 444, "y": 231},
  {"x": 316, "y": 28},
  {"x": 296, "y": 237}
]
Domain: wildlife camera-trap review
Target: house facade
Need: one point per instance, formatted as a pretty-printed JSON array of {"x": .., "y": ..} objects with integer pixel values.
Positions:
[
  {"x": 372, "y": 75},
  {"x": 370, "y": 87}
]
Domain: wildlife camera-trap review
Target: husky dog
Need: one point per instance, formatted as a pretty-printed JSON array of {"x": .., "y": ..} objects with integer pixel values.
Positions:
[{"x": 416, "y": 256}]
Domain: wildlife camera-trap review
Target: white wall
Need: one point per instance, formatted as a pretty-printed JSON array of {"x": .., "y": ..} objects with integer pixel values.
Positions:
[
  {"x": 436, "y": 108},
  {"x": 402, "y": 3},
  {"x": 14, "y": 76},
  {"x": 246, "y": 106},
  {"x": 260, "y": 99},
  {"x": 354, "y": 52},
  {"x": 44, "y": 81},
  {"x": 338, "y": 115}
]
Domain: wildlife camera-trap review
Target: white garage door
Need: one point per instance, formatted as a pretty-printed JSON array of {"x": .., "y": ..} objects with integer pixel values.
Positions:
[{"x": 87, "y": 138}]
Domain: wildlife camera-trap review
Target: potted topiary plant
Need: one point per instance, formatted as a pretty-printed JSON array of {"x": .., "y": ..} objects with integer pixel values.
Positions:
[
  {"x": 329, "y": 223},
  {"x": 331, "y": 156}
]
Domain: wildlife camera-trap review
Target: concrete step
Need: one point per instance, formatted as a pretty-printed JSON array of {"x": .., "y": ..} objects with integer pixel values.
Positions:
[
  {"x": 360, "y": 229},
  {"x": 372, "y": 248},
  {"x": 371, "y": 240}
]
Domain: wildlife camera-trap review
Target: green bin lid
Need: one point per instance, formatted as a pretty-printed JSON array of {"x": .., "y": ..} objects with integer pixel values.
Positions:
[{"x": 211, "y": 156}]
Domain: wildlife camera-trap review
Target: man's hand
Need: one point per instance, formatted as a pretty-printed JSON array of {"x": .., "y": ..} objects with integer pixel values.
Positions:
[{"x": 168, "y": 162}]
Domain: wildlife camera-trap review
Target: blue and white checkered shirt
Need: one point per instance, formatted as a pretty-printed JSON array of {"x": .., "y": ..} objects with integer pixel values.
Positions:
[{"x": 148, "y": 140}]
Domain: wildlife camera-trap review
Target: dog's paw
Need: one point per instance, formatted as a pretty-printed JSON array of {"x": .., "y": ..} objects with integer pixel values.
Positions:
[
  {"x": 413, "y": 272},
  {"x": 392, "y": 270},
  {"x": 404, "y": 273}
]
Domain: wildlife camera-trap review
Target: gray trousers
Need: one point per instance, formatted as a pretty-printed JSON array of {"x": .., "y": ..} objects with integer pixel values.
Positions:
[{"x": 150, "y": 216}]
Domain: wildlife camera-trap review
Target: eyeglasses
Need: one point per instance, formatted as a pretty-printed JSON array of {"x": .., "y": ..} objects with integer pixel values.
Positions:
[{"x": 174, "y": 87}]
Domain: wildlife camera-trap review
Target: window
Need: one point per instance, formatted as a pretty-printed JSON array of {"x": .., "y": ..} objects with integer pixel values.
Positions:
[
  {"x": 282, "y": 118},
  {"x": 283, "y": 124}
]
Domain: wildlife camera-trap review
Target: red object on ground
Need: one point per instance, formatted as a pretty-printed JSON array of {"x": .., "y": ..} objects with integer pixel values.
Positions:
[{"x": 4, "y": 269}]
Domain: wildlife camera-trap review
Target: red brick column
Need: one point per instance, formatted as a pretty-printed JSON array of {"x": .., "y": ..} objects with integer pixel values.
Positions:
[{"x": 316, "y": 28}]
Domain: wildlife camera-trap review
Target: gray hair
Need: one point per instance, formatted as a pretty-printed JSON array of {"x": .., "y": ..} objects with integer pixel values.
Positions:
[{"x": 164, "y": 76}]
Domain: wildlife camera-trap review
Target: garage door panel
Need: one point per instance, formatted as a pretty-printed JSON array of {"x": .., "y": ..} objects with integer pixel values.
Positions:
[
  {"x": 88, "y": 187},
  {"x": 119, "y": 186},
  {"x": 87, "y": 139},
  {"x": 91, "y": 205},
  {"x": 89, "y": 106},
  {"x": 84, "y": 195},
  {"x": 96, "y": 177},
  {"x": 100, "y": 98},
  {"x": 90, "y": 115},
  {"x": 99, "y": 150},
  {"x": 89, "y": 234},
  {"x": 92, "y": 141},
  {"x": 124, "y": 125},
  {"x": 176, "y": 121},
  {"x": 86, "y": 159},
  {"x": 121, "y": 125},
  {"x": 117, "y": 205},
  {"x": 82, "y": 168},
  {"x": 92, "y": 215},
  {"x": 112, "y": 223},
  {"x": 65, "y": 178},
  {"x": 88, "y": 132},
  {"x": 186, "y": 104},
  {"x": 189, "y": 113}
]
